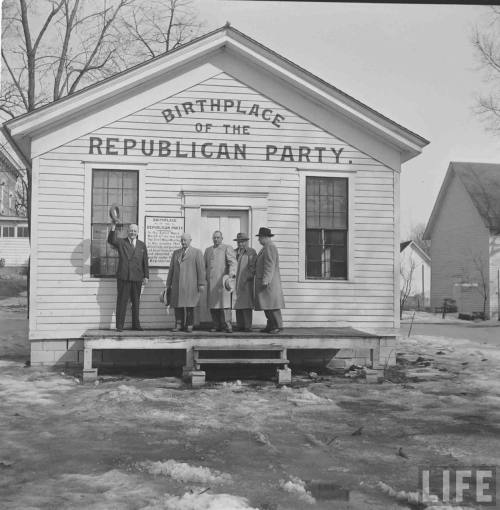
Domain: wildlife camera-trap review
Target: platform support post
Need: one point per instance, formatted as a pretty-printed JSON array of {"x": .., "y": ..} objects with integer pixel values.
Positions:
[
  {"x": 89, "y": 373},
  {"x": 284, "y": 376}
]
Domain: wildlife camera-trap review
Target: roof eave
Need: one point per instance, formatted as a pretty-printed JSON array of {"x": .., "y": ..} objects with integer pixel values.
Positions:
[{"x": 406, "y": 142}]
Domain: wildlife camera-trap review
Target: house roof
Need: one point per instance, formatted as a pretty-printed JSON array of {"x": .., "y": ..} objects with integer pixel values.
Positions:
[
  {"x": 226, "y": 38},
  {"x": 416, "y": 247},
  {"x": 482, "y": 183}
]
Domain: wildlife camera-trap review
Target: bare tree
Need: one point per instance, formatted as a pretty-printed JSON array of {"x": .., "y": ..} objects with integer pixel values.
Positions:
[
  {"x": 51, "y": 48},
  {"x": 486, "y": 41},
  {"x": 406, "y": 271}
]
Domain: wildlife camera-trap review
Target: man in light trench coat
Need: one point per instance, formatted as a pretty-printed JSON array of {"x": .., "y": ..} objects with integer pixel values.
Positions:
[
  {"x": 268, "y": 293},
  {"x": 243, "y": 293},
  {"x": 219, "y": 261},
  {"x": 186, "y": 280}
]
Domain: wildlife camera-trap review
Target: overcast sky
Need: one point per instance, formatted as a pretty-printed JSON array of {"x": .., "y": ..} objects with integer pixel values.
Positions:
[{"x": 413, "y": 63}]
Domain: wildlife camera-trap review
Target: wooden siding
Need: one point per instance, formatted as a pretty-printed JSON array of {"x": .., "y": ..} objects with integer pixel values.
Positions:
[
  {"x": 459, "y": 245},
  {"x": 494, "y": 252},
  {"x": 15, "y": 250},
  {"x": 68, "y": 303}
]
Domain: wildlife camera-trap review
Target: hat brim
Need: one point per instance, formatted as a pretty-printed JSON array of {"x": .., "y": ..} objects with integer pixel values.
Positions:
[
  {"x": 264, "y": 235},
  {"x": 242, "y": 239}
]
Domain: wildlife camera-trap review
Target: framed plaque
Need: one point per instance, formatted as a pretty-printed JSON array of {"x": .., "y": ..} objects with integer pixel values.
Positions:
[{"x": 162, "y": 238}]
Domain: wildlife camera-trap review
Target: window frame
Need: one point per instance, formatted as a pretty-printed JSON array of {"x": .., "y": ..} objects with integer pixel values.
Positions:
[
  {"x": 350, "y": 175},
  {"x": 89, "y": 167},
  {"x": 22, "y": 227},
  {"x": 13, "y": 227}
]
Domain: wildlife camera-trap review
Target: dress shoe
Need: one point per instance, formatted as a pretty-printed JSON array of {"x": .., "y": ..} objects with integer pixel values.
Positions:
[
  {"x": 274, "y": 331},
  {"x": 265, "y": 330},
  {"x": 177, "y": 328},
  {"x": 138, "y": 328},
  {"x": 189, "y": 329},
  {"x": 229, "y": 329},
  {"x": 119, "y": 330},
  {"x": 213, "y": 330}
]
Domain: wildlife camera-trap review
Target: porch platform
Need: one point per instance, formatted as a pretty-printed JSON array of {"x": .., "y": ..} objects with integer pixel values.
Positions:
[{"x": 381, "y": 347}]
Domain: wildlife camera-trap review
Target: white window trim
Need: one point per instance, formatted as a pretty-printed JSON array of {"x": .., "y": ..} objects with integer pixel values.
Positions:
[
  {"x": 351, "y": 183},
  {"x": 89, "y": 166}
]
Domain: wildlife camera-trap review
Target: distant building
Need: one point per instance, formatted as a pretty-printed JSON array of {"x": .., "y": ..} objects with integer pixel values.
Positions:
[
  {"x": 464, "y": 228},
  {"x": 416, "y": 271},
  {"x": 14, "y": 236}
]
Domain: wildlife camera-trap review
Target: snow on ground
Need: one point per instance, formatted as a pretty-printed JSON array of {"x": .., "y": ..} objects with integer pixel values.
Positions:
[
  {"x": 183, "y": 472},
  {"x": 135, "y": 442}
]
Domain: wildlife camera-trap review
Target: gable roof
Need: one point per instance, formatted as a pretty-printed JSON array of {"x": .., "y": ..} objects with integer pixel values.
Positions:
[
  {"x": 482, "y": 183},
  {"x": 416, "y": 247},
  {"x": 230, "y": 40}
]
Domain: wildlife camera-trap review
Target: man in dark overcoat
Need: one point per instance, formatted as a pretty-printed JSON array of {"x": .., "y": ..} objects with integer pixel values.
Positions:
[
  {"x": 268, "y": 293},
  {"x": 132, "y": 274},
  {"x": 185, "y": 281},
  {"x": 243, "y": 301}
]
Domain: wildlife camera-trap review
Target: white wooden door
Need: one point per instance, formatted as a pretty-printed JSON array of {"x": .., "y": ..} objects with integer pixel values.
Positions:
[{"x": 229, "y": 222}]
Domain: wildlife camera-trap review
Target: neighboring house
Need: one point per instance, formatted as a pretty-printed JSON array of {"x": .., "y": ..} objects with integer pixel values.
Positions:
[
  {"x": 219, "y": 134},
  {"x": 415, "y": 275},
  {"x": 14, "y": 238},
  {"x": 464, "y": 228}
]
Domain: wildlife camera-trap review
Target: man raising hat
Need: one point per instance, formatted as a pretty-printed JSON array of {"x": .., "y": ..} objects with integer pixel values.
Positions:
[
  {"x": 131, "y": 275},
  {"x": 268, "y": 293},
  {"x": 243, "y": 296}
]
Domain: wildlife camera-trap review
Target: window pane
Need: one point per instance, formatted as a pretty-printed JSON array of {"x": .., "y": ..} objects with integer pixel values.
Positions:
[
  {"x": 115, "y": 180},
  {"x": 110, "y": 187},
  {"x": 326, "y": 227}
]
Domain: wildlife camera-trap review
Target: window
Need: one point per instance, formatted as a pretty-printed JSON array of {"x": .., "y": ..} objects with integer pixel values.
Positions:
[
  {"x": 9, "y": 231},
  {"x": 326, "y": 227},
  {"x": 110, "y": 188},
  {"x": 22, "y": 232}
]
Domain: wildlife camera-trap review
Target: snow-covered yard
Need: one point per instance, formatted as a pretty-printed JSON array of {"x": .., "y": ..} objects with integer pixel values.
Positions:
[{"x": 132, "y": 442}]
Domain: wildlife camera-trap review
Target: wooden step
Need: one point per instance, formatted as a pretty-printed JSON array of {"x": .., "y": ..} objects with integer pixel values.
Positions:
[
  {"x": 241, "y": 361},
  {"x": 240, "y": 347}
]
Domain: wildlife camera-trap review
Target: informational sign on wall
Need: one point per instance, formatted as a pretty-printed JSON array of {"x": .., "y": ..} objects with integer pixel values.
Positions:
[{"x": 162, "y": 238}]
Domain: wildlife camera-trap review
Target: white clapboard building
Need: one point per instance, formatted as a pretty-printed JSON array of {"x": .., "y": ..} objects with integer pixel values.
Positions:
[{"x": 221, "y": 133}]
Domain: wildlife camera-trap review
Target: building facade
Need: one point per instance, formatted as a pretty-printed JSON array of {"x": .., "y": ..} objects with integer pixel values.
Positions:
[
  {"x": 14, "y": 236},
  {"x": 415, "y": 276},
  {"x": 220, "y": 134},
  {"x": 464, "y": 229}
]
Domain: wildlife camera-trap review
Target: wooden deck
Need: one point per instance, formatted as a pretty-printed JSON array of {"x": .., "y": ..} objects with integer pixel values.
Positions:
[{"x": 290, "y": 338}]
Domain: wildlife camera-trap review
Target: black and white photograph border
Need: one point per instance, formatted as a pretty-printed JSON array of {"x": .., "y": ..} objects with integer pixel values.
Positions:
[{"x": 249, "y": 255}]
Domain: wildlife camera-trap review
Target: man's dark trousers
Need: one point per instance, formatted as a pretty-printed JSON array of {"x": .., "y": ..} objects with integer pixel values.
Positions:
[
  {"x": 274, "y": 320},
  {"x": 127, "y": 290},
  {"x": 185, "y": 319}
]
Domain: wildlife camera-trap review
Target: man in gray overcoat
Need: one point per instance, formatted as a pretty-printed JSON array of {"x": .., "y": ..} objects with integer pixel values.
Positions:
[
  {"x": 243, "y": 293},
  {"x": 268, "y": 293},
  {"x": 186, "y": 279},
  {"x": 219, "y": 261}
]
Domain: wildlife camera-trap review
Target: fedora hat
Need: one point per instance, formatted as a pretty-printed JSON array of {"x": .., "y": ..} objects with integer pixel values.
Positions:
[
  {"x": 241, "y": 237},
  {"x": 228, "y": 283},
  {"x": 265, "y": 232},
  {"x": 114, "y": 213}
]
